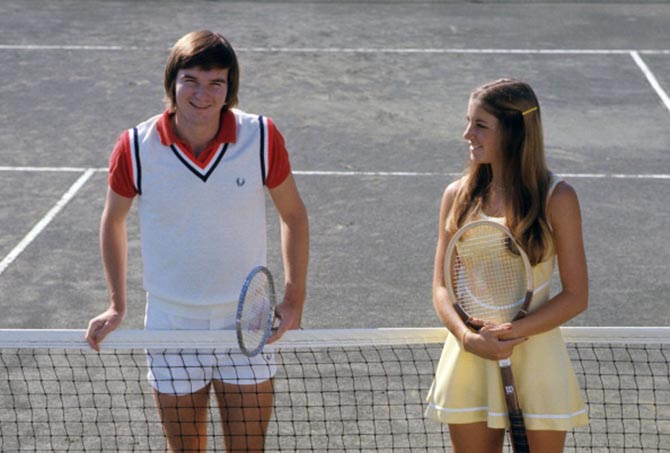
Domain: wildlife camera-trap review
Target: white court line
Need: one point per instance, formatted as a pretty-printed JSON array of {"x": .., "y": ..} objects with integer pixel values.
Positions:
[
  {"x": 63, "y": 47},
  {"x": 408, "y": 173},
  {"x": 651, "y": 78},
  {"x": 65, "y": 199},
  {"x": 380, "y": 50},
  {"x": 612, "y": 176},
  {"x": 366, "y": 173},
  {"x": 383, "y": 50},
  {"x": 42, "y": 224},
  {"x": 369, "y": 173},
  {"x": 47, "y": 169}
]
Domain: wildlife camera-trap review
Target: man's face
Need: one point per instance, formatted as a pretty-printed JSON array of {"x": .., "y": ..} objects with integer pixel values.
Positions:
[{"x": 200, "y": 94}]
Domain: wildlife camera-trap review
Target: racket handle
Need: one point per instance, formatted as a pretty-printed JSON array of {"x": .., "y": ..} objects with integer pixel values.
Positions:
[{"x": 517, "y": 433}]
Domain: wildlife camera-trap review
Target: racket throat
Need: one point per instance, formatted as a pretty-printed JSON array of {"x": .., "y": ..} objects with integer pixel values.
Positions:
[
  {"x": 467, "y": 319},
  {"x": 523, "y": 311}
]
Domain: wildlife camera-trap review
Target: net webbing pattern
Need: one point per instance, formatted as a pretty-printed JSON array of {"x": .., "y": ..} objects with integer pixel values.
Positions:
[{"x": 344, "y": 390}]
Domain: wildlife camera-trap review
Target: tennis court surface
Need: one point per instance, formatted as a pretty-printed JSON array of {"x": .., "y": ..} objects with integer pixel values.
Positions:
[{"x": 371, "y": 99}]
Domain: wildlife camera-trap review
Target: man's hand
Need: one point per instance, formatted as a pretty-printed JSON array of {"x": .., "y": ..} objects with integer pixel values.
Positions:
[
  {"x": 288, "y": 318},
  {"x": 100, "y": 326}
]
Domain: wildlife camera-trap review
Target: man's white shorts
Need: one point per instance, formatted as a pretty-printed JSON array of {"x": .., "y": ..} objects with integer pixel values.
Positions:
[{"x": 184, "y": 371}]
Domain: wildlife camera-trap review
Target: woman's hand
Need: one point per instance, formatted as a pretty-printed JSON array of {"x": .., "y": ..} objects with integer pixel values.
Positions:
[{"x": 492, "y": 341}]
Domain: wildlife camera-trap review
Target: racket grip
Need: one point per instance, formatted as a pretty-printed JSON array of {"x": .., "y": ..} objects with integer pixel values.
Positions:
[{"x": 517, "y": 433}]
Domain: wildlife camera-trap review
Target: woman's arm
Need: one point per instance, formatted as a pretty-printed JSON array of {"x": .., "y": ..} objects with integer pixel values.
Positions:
[{"x": 566, "y": 222}]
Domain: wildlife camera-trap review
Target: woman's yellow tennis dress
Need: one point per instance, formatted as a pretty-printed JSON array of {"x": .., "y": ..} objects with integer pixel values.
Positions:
[{"x": 468, "y": 388}]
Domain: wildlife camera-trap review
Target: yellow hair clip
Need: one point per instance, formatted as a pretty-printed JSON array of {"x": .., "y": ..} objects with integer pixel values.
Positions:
[{"x": 530, "y": 110}]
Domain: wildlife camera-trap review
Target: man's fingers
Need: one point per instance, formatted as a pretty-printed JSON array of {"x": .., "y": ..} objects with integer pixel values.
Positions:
[
  {"x": 276, "y": 333},
  {"x": 97, "y": 331},
  {"x": 91, "y": 338}
]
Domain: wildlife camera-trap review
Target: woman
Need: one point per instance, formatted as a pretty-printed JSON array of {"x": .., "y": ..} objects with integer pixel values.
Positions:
[{"x": 508, "y": 181}]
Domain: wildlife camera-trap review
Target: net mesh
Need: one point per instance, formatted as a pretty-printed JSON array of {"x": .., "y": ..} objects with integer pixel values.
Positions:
[{"x": 349, "y": 390}]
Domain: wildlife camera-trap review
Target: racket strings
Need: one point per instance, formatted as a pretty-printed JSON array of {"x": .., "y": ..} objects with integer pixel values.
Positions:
[
  {"x": 489, "y": 276},
  {"x": 257, "y": 303}
]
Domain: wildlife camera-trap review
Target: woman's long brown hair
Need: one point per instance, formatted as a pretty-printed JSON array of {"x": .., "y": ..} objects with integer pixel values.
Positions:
[{"x": 525, "y": 174}]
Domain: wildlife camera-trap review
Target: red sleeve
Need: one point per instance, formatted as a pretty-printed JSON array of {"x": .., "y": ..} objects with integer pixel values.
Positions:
[
  {"x": 121, "y": 168},
  {"x": 279, "y": 166}
]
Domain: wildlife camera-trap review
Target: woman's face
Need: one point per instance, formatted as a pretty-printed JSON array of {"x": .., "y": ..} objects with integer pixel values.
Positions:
[{"x": 483, "y": 134}]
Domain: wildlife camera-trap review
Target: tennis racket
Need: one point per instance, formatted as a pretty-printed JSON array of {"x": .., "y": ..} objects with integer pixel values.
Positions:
[
  {"x": 490, "y": 278},
  {"x": 255, "y": 311}
]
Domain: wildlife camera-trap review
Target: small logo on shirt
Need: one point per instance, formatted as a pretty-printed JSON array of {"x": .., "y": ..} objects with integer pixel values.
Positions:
[{"x": 240, "y": 182}]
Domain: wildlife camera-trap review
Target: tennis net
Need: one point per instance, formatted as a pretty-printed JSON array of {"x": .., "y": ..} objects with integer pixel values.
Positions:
[{"x": 335, "y": 390}]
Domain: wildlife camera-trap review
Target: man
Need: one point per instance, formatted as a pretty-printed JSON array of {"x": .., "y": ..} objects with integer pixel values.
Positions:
[{"x": 199, "y": 171}]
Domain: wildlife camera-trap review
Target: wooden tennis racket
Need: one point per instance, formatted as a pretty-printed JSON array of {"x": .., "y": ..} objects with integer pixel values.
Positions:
[
  {"x": 489, "y": 278},
  {"x": 255, "y": 311}
]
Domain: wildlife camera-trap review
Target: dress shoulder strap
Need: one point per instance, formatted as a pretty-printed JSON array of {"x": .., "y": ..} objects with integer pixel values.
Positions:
[{"x": 553, "y": 182}]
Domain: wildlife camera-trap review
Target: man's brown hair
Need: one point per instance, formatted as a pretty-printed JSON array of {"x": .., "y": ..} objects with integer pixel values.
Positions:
[{"x": 206, "y": 50}]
